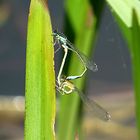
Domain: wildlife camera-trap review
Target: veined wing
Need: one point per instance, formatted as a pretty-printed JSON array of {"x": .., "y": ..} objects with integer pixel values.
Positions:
[
  {"x": 89, "y": 64},
  {"x": 96, "y": 109}
]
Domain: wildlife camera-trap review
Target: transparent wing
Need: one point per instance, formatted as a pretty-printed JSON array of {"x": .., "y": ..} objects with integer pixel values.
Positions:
[
  {"x": 89, "y": 64},
  {"x": 96, "y": 109}
]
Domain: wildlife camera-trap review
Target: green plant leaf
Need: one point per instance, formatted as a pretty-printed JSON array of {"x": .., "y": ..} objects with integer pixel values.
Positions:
[
  {"x": 135, "y": 55},
  {"x": 40, "y": 80},
  {"x": 124, "y": 9},
  {"x": 127, "y": 13},
  {"x": 83, "y": 24}
]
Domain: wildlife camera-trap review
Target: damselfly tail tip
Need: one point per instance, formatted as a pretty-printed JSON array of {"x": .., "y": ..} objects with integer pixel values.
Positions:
[
  {"x": 108, "y": 116},
  {"x": 94, "y": 67}
]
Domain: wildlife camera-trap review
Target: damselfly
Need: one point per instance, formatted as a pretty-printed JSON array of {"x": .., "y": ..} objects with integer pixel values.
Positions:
[
  {"x": 62, "y": 40},
  {"x": 66, "y": 87}
]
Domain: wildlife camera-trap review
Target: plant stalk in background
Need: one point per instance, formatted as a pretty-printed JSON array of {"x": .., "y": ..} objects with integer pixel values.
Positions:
[{"x": 127, "y": 14}]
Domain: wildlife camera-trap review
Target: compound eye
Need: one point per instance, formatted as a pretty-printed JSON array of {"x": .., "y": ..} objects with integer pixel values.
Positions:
[
  {"x": 67, "y": 89},
  {"x": 55, "y": 31}
]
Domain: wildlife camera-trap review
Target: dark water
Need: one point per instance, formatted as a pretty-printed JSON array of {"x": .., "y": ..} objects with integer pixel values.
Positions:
[{"x": 110, "y": 47}]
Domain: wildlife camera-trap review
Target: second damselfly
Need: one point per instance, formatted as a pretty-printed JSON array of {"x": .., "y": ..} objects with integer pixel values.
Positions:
[{"x": 64, "y": 43}]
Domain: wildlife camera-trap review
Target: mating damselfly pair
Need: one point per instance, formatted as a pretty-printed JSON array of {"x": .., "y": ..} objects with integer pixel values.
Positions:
[{"x": 64, "y": 84}]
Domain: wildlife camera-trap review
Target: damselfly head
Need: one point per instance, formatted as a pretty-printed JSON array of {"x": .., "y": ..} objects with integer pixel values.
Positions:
[
  {"x": 55, "y": 33},
  {"x": 60, "y": 37},
  {"x": 66, "y": 86}
]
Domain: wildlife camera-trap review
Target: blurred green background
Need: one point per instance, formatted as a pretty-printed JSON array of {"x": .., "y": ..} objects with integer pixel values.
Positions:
[{"x": 111, "y": 86}]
